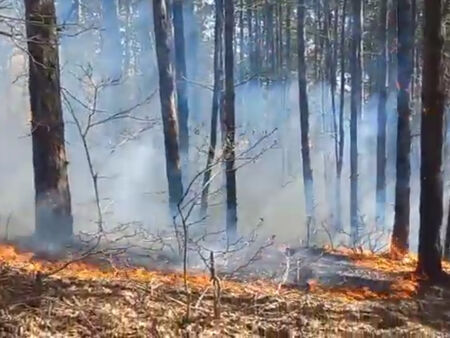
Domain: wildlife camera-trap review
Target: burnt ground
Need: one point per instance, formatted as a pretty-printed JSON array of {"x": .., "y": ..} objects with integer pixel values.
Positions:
[{"x": 83, "y": 301}]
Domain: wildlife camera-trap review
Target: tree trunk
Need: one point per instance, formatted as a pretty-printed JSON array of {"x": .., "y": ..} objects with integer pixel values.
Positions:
[
  {"x": 381, "y": 134},
  {"x": 341, "y": 121},
  {"x": 355, "y": 109},
  {"x": 53, "y": 215},
  {"x": 216, "y": 102},
  {"x": 164, "y": 43},
  {"x": 431, "y": 205},
  {"x": 112, "y": 47},
  {"x": 304, "y": 122},
  {"x": 181, "y": 75},
  {"x": 287, "y": 56},
  {"x": 279, "y": 45},
  {"x": 400, "y": 232},
  {"x": 258, "y": 41},
  {"x": 229, "y": 123}
]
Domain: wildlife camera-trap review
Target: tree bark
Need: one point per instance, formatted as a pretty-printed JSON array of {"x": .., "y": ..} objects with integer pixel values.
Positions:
[
  {"x": 304, "y": 122},
  {"x": 431, "y": 204},
  {"x": 400, "y": 234},
  {"x": 241, "y": 40},
  {"x": 53, "y": 214},
  {"x": 381, "y": 134},
  {"x": 164, "y": 43},
  {"x": 181, "y": 75},
  {"x": 355, "y": 109},
  {"x": 216, "y": 102},
  {"x": 229, "y": 123}
]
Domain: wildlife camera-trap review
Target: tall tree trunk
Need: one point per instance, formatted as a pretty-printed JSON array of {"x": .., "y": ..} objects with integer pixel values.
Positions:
[
  {"x": 431, "y": 204},
  {"x": 112, "y": 57},
  {"x": 341, "y": 120},
  {"x": 402, "y": 187},
  {"x": 164, "y": 43},
  {"x": 216, "y": 102},
  {"x": 287, "y": 56},
  {"x": 414, "y": 54},
  {"x": 381, "y": 134},
  {"x": 333, "y": 85},
  {"x": 181, "y": 75},
  {"x": 355, "y": 109},
  {"x": 229, "y": 123},
  {"x": 53, "y": 215},
  {"x": 304, "y": 121},
  {"x": 258, "y": 41},
  {"x": 279, "y": 46}
]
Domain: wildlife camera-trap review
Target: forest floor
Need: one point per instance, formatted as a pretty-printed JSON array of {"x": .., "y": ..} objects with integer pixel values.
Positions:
[{"x": 87, "y": 301}]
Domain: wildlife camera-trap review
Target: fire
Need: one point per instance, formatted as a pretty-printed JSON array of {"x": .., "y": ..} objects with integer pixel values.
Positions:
[
  {"x": 10, "y": 255},
  {"x": 404, "y": 286}
]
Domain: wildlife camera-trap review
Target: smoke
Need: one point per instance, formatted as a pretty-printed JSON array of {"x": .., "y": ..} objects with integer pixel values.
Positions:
[{"x": 128, "y": 155}]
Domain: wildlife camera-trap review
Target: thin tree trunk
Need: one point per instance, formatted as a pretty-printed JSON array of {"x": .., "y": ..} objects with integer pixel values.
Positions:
[
  {"x": 229, "y": 123},
  {"x": 258, "y": 41},
  {"x": 341, "y": 120},
  {"x": 400, "y": 235},
  {"x": 216, "y": 102},
  {"x": 304, "y": 122},
  {"x": 381, "y": 134},
  {"x": 355, "y": 109},
  {"x": 333, "y": 67},
  {"x": 431, "y": 204},
  {"x": 288, "y": 38},
  {"x": 414, "y": 54},
  {"x": 181, "y": 75},
  {"x": 53, "y": 214},
  {"x": 280, "y": 39},
  {"x": 164, "y": 43}
]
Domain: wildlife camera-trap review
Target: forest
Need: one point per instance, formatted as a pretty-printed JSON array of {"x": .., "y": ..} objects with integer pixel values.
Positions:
[{"x": 244, "y": 168}]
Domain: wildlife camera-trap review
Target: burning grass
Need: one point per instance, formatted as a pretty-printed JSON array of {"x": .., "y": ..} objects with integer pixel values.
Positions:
[{"x": 88, "y": 299}]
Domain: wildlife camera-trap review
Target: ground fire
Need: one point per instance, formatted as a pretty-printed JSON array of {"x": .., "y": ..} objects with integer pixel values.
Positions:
[{"x": 137, "y": 301}]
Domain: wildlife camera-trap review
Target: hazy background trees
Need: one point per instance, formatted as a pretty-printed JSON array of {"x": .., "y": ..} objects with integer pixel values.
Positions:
[{"x": 275, "y": 63}]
